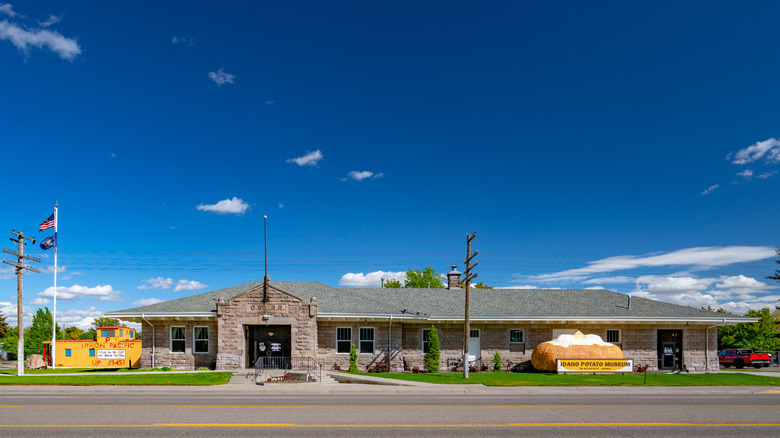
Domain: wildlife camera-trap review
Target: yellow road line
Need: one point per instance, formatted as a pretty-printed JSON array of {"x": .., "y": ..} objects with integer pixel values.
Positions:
[
  {"x": 384, "y": 406},
  {"x": 257, "y": 425}
]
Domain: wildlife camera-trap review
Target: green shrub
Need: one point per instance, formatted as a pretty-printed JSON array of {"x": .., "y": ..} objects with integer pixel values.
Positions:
[
  {"x": 166, "y": 369},
  {"x": 203, "y": 369},
  {"x": 496, "y": 362},
  {"x": 123, "y": 370},
  {"x": 433, "y": 353},
  {"x": 353, "y": 357}
]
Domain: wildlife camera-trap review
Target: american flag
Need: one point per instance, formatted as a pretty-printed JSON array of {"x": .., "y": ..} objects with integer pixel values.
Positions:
[{"x": 48, "y": 223}]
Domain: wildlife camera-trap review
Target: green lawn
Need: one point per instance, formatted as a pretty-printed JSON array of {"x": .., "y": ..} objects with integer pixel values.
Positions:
[
  {"x": 170, "y": 378},
  {"x": 61, "y": 371},
  {"x": 551, "y": 379}
]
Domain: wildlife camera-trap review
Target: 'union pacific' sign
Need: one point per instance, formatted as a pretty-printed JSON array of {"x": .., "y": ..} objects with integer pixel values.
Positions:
[{"x": 594, "y": 365}]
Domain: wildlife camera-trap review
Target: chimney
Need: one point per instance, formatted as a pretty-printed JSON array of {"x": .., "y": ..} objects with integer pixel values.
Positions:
[{"x": 453, "y": 278}]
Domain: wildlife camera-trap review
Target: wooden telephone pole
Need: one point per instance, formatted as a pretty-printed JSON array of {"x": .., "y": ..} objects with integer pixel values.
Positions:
[
  {"x": 20, "y": 267},
  {"x": 467, "y": 277}
]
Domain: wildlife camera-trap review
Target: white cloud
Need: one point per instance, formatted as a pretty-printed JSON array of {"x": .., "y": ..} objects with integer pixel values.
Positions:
[
  {"x": 226, "y": 206},
  {"x": 50, "y": 269},
  {"x": 40, "y": 301},
  {"x": 188, "y": 285},
  {"x": 767, "y": 175},
  {"x": 75, "y": 292},
  {"x": 747, "y": 173},
  {"x": 595, "y": 288},
  {"x": 310, "y": 159},
  {"x": 221, "y": 78},
  {"x": 699, "y": 258},
  {"x": 769, "y": 148},
  {"x": 281, "y": 205},
  {"x": 7, "y": 9},
  {"x": 610, "y": 280},
  {"x": 6, "y": 273},
  {"x": 23, "y": 39},
  {"x": 709, "y": 189},
  {"x": 157, "y": 283},
  {"x": 736, "y": 294},
  {"x": 53, "y": 19},
  {"x": 372, "y": 279},
  {"x": 147, "y": 301},
  {"x": 189, "y": 42},
  {"x": 364, "y": 174}
]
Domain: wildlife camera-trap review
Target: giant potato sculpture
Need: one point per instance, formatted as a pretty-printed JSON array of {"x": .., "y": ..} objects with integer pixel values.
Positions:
[{"x": 576, "y": 346}]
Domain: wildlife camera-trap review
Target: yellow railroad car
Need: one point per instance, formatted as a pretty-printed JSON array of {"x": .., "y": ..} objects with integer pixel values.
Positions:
[{"x": 115, "y": 347}]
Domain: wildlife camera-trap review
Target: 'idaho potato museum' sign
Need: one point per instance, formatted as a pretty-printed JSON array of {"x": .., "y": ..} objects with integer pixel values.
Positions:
[{"x": 595, "y": 365}]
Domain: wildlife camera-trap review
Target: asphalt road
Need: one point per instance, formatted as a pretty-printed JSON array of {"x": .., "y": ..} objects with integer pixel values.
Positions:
[{"x": 64, "y": 412}]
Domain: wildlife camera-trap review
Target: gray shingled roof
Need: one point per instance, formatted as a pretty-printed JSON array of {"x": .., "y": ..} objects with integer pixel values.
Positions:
[{"x": 445, "y": 303}]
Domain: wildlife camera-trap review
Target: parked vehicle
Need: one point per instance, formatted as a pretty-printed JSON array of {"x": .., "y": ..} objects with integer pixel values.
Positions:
[{"x": 741, "y": 358}]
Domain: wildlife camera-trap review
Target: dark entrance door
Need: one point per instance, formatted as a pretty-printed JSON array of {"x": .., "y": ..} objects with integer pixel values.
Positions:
[
  {"x": 670, "y": 349},
  {"x": 270, "y": 342}
]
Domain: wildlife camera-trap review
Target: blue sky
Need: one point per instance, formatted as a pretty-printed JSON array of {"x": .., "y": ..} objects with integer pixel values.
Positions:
[{"x": 588, "y": 144}]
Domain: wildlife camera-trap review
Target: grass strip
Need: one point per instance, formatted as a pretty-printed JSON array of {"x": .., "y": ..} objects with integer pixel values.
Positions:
[
  {"x": 178, "y": 379},
  {"x": 552, "y": 379}
]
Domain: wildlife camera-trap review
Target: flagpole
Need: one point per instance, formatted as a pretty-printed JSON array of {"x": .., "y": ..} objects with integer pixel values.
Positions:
[{"x": 54, "y": 314}]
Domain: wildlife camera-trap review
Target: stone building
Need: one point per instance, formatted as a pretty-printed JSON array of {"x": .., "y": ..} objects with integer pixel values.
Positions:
[{"x": 231, "y": 328}]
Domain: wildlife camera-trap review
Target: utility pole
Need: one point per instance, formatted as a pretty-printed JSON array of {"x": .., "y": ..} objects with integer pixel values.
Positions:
[
  {"x": 468, "y": 276},
  {"x": 20, "y": 267}
]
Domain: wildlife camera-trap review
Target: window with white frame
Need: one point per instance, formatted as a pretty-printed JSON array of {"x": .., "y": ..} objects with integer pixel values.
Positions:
[
  {"x": 613, "y": 336},
  {"x": 177, "y": 339},
  {"x": 425, "y": 333},
  {"x": 367, "y": 340},
  {"x": 200, "y": 340},
  {"x": 516, "y": 336},
  {"x": 343, "y": 339}
]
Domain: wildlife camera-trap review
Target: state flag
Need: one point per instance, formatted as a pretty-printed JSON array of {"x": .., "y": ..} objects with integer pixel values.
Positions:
[{"x": 49, "y": 242}]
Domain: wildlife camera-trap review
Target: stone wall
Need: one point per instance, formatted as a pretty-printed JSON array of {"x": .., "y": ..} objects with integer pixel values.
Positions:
[
  {"x": 280, "y": 307},
  {"x": 163, "y": 357},
  {"x": 638, "y": 342}
]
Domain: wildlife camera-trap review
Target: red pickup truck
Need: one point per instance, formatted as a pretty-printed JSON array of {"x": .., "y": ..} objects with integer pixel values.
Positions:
[{"x": 741, "y": 358}]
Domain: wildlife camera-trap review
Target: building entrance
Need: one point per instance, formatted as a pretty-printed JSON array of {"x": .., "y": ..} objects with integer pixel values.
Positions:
[
  {"x": 270, "y": 342},
  {"x": 670, "y": 349}
]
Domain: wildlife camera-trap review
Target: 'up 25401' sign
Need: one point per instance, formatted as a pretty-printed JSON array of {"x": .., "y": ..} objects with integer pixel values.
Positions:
[{"x": 595, "y": 365}]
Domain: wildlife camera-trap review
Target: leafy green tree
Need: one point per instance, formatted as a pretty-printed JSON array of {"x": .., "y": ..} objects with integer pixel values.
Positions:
[
  {"x": 90, "y": 334},
  {"x": 40, "y": 330},
  {"x": 10, "y": 342},
  {"x": 762, "y": 335},
  {"x": 353, "y": 358},
  {"x": 776, "y": 277},
  {"x": 105, "y": 322},
  {"x": 434, "y": 352},
  {"x": 416, "y": 278},
  {"x": 496, "y": 362},
  {"x": 3, "y": 326},
  {"x": 482, "y": 285},
  {"x": 73, "y": 333},
  {"x": 392, "y": 283}
]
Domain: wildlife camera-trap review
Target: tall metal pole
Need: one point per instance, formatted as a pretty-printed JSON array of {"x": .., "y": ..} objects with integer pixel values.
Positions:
[
  {"x": 54, "y": 314},
  {"x": 265, "y": 277}
]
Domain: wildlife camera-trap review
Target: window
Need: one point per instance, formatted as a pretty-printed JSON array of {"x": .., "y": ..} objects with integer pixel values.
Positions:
[
  {"x": 343, "y": 339},
  {"x": 516, "y": 336},
  {"x": 473, "y": 333},
  {"x": 201, "y": 340},
  {"x": 613, "y": 336},
  {"x": 367, "y": 340},
  {"x": 107, "y": 333},
  {"x": 67, "y": 352},
  {"x": 177, "y": 339},
  {"x": 425, "y": 340},
  {"x": 120, "y": 333},
  {"x": 130, "y": 334},
  {"x": 91, "y": 352}
]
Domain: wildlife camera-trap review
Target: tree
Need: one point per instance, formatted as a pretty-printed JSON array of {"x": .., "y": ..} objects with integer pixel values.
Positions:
[
  {"x": 482, "y": 285},
  {"x": 90, "y": 334},
  {"x": 105, "y": 322},
  {"x": 434, "y": 352},
  {"x": 416, "y": 278},
  {"x": 39, "y": 331},
  {"x": 73, "y": 333},
  {"x": 353, "y": 358},
  {"x": 392, "y": 283},
  {"x": 776, "y": 277},
  {"x": 761, "y": 335},
  {"x": 3, "y": 326}
]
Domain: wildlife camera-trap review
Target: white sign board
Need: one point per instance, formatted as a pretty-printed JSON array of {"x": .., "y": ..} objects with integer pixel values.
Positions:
[
  {"x": 111, "y": 354},
  {"x": 595, "y": 365}
]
